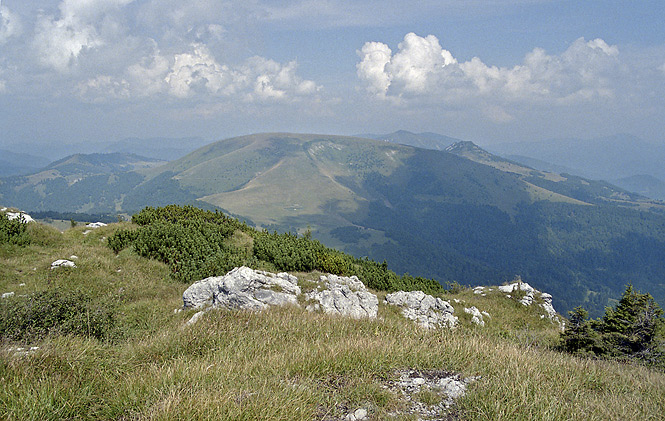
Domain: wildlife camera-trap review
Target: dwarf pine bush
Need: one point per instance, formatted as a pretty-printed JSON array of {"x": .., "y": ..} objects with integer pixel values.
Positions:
[
  {"x": 196, "y": 244},
  {"x": 13, "y": 231},
  {"x": 632, "y": 330}
]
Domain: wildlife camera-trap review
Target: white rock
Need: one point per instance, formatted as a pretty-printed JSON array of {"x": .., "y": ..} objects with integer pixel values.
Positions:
[
  {"x": 8, "y": 294},
  {"x": 477, "y": 316},
  {"x": 427, "y": 311},
  {"x": 96, "y": 225},
  {"x": 18, "y": 215},
  {"x": 63, "y": 263},
  {"x": 195, "y": 318},
  {"x": 344, "y": 296},
  {"x": 357, "y": 415},
  {"x": 243, "y": 288}
]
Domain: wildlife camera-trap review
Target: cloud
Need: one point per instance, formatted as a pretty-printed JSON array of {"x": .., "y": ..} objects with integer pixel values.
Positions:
[
  {"x": 422, "y": 70},
  {"x": 258, "y": 79},
  {"x": 196, "y": 73},
  {"x": 10, "y": 24},
  {"x": 372, "y": 69},
  {"x": 60, "y": 41},
  {"x": 199, "y": 71},
  {"x": 353, "y": 13},
  {"x": 103, "y": 87}
]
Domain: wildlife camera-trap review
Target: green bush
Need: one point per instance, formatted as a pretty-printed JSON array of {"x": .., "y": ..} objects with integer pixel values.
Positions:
[
  {"x": 288, "y": 252},
  {"x": 195, "y": 244},
  {"x": 632, "y": 330},
  {"x": 13, "y": 231},
  {"x": 55, "y": 312},
  {"x": 121, "y": 239},
  {"x": 182, "y": 214}
]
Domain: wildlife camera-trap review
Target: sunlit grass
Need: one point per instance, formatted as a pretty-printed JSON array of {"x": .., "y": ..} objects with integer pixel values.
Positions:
[{"x": 287, "y": 363}]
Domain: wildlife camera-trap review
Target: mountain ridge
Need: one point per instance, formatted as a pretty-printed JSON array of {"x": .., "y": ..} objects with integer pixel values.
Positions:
[{"x": 463, "y": 215}]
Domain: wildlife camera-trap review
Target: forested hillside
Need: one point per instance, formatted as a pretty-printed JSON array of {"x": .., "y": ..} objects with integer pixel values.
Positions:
[{"x": 460, "y": 215}]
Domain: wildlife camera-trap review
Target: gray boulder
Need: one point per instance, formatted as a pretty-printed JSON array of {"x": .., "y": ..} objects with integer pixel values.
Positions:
[
  {"x": 427, "y": 311},
  {"x": 344, "y": 296},
  {"x": 243, "y": 288}
]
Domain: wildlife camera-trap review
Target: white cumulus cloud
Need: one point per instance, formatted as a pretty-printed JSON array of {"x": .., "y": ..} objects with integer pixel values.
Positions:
[
  {"x": 197, "y": 73},
  {"x": 60, "y": 41},
  {"x": 10, "y": 24},
  {"x": 422, "y": 69}
]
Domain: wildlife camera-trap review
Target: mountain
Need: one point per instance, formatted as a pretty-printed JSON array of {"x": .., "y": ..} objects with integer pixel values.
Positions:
[
  {"x": 78, "y": 183},
  {"x": 159, "y": 148},
  {"x": 79, "y": 165},
  {"x": 620, "y": 159},
  {"x": 162, "y": 148},
  {"x": 606, "y": 158},
  {"x": 15, "y": 163},
  {"x": 425, "y": 140},
  {"x": 460, "y": 214},
  {"x": 645, "y": 185}
]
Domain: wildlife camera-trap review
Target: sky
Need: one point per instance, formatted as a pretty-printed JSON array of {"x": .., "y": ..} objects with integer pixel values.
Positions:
[{"x": 492, "y": 71}]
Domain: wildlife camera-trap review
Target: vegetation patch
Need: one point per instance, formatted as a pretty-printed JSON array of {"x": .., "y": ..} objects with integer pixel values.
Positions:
[
  {"x": 13, "y": 231},
  {"x": 55, "y": 312},
  {"x": 197, "y": 243},
  {"x": 634, "y": 330}
]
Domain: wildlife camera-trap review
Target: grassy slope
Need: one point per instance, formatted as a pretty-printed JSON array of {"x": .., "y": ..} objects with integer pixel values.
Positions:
[{"x": 285, "y": 363}]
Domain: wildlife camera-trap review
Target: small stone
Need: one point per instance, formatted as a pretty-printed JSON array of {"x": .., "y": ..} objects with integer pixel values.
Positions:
[
  {"x": 195, "y": 318},
  {"x": 418, "y": 381},
  {"x": 63, "y": 263},
  {"x": 360, "y": 414}
]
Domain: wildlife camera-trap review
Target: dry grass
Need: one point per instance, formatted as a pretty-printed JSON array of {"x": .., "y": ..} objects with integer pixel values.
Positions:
[{"x": 286, "y": 363}]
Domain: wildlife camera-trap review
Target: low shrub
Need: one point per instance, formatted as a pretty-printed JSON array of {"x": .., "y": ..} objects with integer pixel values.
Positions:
[
  {"x": 196, "y": 244},
  {"x": 55, "y": 312},
  {"x": 633, "y": 330},
  {"x": 13, "y": 231}
]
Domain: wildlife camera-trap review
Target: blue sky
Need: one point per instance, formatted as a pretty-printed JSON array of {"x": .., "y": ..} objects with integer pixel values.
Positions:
[{"x": 489, "y": 71}]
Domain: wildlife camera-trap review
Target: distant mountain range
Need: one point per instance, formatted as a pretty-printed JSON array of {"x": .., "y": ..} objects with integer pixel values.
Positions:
[
  {"x": 29, "y": 158},
  {"x": 626, "y": 160},
  {"x": 459, "y": 214},
  {"x": 15, "y": 163}
]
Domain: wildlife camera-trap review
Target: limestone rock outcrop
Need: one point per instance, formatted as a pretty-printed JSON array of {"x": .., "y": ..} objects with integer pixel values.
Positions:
[
  {"x": 243, "y": 288},
  {"x": 346, "y": 296},
  {"x": 427, "y": 311}
]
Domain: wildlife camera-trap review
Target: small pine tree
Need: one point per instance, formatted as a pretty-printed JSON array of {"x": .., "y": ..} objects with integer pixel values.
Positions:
[
  {"x": 628, "y": 331},
  {"x": 579, "y": 337},
  {"x": 631, "y": 327}
]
